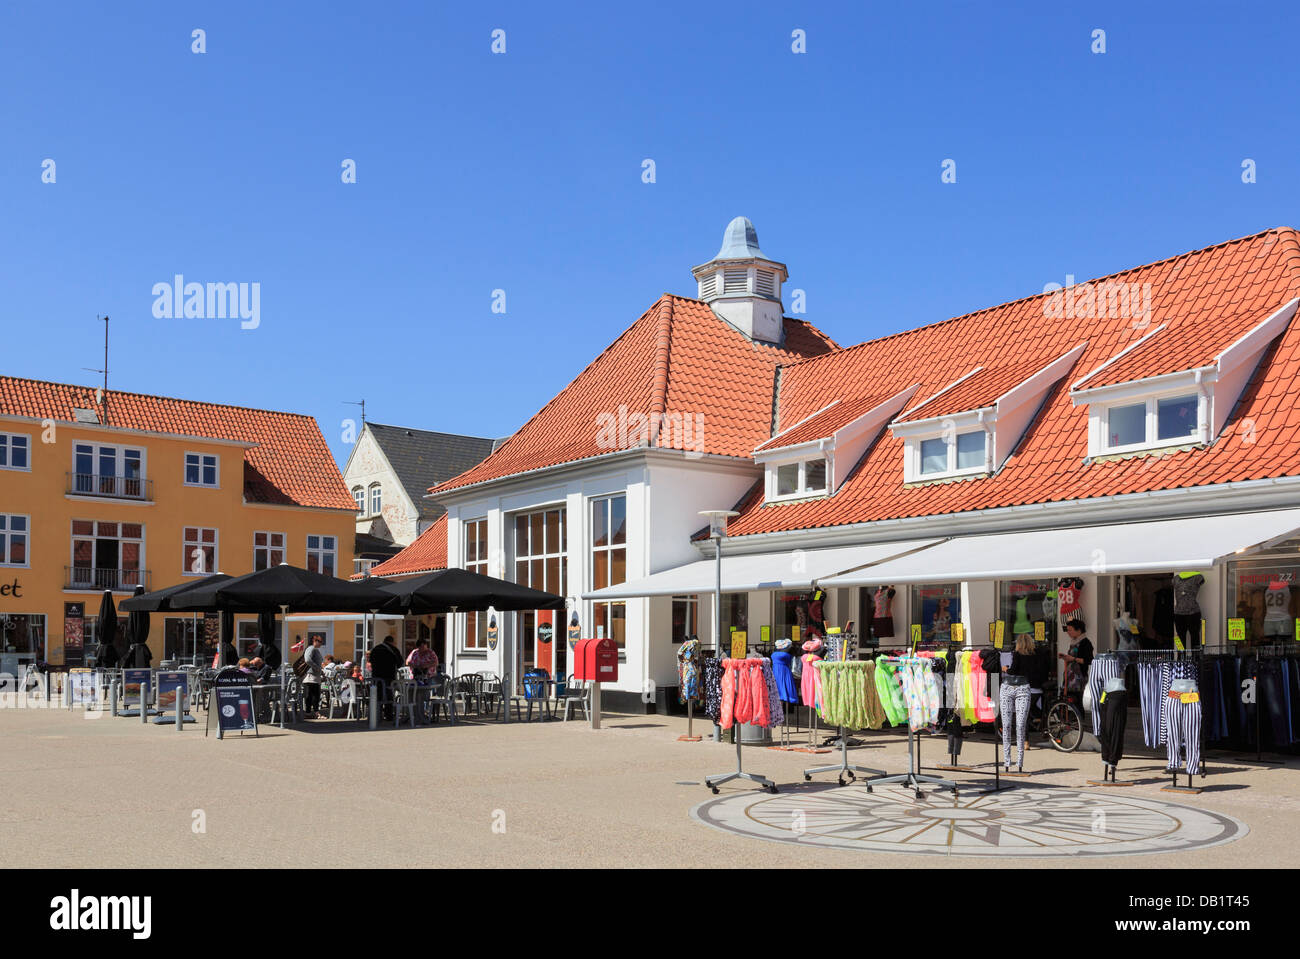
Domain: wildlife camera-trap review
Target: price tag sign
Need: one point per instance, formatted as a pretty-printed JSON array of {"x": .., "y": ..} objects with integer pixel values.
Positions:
[
  {"x": 916, "y": 636},
  {"x": 1297, "y": 629},
  {"x": 739, "y": 644},
  {"x": 999, "y": 634},
  {"x": 1040, "y": 632},
  {"x": 1236, "y": 630},
  {"x": 1178, "y": 644},
  {"x": 958, "y": 633}
]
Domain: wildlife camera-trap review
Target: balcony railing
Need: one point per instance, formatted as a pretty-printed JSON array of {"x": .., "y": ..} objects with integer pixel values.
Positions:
[
  {"x": 116, "y": 487},
  {"x": 99, "y": 579}
]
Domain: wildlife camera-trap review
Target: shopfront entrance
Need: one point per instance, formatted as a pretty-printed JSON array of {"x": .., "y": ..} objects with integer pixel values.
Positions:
[{"x": 22, "y": 641}]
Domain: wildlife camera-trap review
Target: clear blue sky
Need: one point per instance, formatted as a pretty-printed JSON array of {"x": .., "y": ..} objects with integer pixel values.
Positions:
[{"x": 522, "y": 172}]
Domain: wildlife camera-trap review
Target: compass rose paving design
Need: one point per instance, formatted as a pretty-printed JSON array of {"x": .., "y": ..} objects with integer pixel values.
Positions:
[{"x": 1036, "y": 823}]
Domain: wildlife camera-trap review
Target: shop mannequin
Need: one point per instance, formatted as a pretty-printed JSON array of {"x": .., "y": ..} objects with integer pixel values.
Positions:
[
  {"x": 1277, "y": 610},
  {"x": 1114, "y": 720},
  {"x": 1187, "y": 609},
  {"x": 1183, "y": 724},
  {"x": 1069, "y": 596},
  {"x": 882, "y": 618},
  {"x": 782, "y": 659}
]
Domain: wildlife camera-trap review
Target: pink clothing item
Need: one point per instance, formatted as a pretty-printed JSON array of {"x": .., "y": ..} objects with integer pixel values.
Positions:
[
  {"x": 985, "y": 708},
  {"x": 810, "y": 682},
  {"x": 726, "y": 716}
]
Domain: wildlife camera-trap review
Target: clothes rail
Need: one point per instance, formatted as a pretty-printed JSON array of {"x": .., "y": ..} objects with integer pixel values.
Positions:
[
  {"x": 713, "y": 782},
  {"x": 913, "y": 778}
]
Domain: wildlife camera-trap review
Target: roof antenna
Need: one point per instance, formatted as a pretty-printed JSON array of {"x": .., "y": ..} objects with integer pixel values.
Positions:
[
  {"x": 361, "y": 404},
  {"x": 103, "y": 392}
]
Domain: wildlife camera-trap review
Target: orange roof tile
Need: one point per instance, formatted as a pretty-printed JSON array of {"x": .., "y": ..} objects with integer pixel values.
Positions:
[
  {"x": 823, "y": 424},
  {"x": 1254, "y": 276},
  {"x": 977, "y": 391},
  {"x": 426, "y": 554},
  {"x": 290, "y": 465},
  {"x": 711, "y": 387}
]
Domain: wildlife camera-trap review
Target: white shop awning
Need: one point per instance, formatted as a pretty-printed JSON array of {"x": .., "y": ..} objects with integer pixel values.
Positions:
[
  {"x": 1194, "y": 543},
  {"x": 788, "y": 569}
]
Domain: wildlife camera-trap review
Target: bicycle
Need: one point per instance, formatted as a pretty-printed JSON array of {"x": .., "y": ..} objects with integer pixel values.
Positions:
[{"x": 1060, "y": 720}]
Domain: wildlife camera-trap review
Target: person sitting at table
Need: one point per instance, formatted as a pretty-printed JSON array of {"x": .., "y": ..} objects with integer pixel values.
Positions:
[
  {"x": 260, "y": 670},
  {"x": 244, "y": 667},
  {"x": 331, "y": 666},
  {"x": 423, "y": 660},
  {"x": 385, "y": 660}
]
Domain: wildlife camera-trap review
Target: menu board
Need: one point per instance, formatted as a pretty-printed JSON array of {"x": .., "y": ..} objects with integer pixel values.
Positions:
[
  {"x": 171, "y": 685},
  {"x": 81, "y": 687},
  {"x": 233, "y": 703},
  {"x": 132, "y": 681}
]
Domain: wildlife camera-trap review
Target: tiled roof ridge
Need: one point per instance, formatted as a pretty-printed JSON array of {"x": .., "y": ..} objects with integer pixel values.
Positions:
[
  {"x": 595, "y": 360},
  {"x": 92, "y": 390},
  {"x": 662, "y": 361},
  {"x": 418, "y": 429},
  {"x": 1284, "y": 232}
]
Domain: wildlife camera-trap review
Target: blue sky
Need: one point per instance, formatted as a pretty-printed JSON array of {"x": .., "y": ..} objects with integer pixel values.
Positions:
[{"x": 522, "y": 172}]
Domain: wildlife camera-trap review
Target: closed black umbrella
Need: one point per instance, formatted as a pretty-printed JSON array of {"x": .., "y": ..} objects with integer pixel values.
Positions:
[
  {"x": 458, "y": 589},
  {"x": 137, "y": 632},
  {"x": 160, "y": 599},
  {"x": 106, "y": 632},
  {"x": 229, "y": 654},
  {"x": 269, "y": 650}
]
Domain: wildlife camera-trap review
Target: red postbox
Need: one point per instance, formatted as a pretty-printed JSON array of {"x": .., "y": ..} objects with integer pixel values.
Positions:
[{"x": 595, "y": 660}]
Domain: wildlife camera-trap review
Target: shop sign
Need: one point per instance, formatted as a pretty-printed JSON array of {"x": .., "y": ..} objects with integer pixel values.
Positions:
[
  {"x": 958, "y": 633},
  {"x": 575, "y": 631},
  {"x": 132, "y": 681},
  {"x": 493, "y": 631},
  {"x": 81, "y": 688},
  {"x": 14, "y": 589},
  {"x": 1237, "y": 630}
]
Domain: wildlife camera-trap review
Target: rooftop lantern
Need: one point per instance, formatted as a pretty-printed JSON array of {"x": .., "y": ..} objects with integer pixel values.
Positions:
[{"x": 742, "y": 286}]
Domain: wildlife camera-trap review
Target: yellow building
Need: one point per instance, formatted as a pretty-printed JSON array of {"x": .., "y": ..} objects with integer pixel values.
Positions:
[{"x": 109, "y": 491}]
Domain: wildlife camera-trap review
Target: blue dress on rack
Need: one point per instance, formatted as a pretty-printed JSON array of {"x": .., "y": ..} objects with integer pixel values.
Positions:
[{"x": 785, "y": 685}]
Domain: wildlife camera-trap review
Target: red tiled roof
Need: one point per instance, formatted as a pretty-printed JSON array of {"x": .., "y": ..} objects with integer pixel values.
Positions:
[
  {"x": 1208, "y": 298},
  {"x": 677, "y": 360},
  {"x": 977, "y": 391},
  {"x": 290, "y": 465},
  {"x": 824, "y": 424},
  {"x": 426, "y": 554}
]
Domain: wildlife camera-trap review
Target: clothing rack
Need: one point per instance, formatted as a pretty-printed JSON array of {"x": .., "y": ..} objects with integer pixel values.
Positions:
[
  {"x": 844, "y": 768},
  {"x": 713, "y": 782},
  {"x": 913, "y": 778},
  {"x": 1270, "y": 651},
  {"x": 1195, "y": 654}
]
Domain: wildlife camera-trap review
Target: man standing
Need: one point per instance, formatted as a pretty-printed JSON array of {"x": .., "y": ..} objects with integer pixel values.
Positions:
[
  {"x": 314, "y": 659},
  {"x": 385, "y": 660}
]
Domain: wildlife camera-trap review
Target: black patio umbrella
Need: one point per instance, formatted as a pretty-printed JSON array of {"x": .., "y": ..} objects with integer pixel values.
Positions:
[
  {"x": 137, "y": 631},
  {"x": 160, "y": 599},
  {"x": 229, "y": 654},
  {"x": 448, "y": 590},
  {"x": 280, "y": 587},
  {"x": 106, "y": 632}
]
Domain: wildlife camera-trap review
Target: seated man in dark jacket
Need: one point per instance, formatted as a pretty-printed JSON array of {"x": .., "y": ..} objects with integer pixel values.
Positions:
[{"x": 385, "y": 661}]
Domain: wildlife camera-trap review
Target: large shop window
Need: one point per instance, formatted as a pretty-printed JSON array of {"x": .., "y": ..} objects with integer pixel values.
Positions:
[
  {"x": 1266, "y": 594},
  {"x": 184, "y": 640},
  {"x": 686, "y": 617},
  {"x": 1023, "y": 604},
  {"x": 199, "y": 551},
  {"x": 22, "y": 638},
  {"x": 936, "y": 607},
  {"x": 609, "y": 564},
  {"x": 106, "y": 555},
  {"x": 789, "y": 617},
  {"x": 476, "y": 561},
  {"x": 322, "y": 554},
  {"x": 14, "y": 530}
]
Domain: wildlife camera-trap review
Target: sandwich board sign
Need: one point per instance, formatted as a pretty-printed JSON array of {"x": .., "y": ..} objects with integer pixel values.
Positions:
[
  {"x": 232, "y": 702},
  {"x": 82, "y": 689}
]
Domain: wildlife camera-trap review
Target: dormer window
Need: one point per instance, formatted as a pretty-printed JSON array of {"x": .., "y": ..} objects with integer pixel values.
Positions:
[
  {"x": 792, "y": 480},
  {"x": 952, "y": 456},
  {"x": 1152, "y": 423}
]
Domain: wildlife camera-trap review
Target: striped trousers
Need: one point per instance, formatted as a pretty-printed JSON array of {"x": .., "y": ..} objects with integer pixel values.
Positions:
[
  {"x": 1183, "y": 722},
  {"x": 1103, "y": 668}
]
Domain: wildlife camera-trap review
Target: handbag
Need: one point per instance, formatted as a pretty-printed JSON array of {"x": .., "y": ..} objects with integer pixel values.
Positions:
[{"x": 300, "y": 667}]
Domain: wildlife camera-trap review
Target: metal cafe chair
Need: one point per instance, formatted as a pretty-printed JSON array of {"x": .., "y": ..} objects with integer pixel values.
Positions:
[
  {"x": 576, "y": 693},
  {"x": 442, "y": 695},
  {"x": 506, "y": 699}
]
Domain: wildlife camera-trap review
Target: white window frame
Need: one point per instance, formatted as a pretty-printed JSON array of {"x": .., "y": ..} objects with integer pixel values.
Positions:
[
  {"x": 1152, "y": 423},
  {"x": 216, "y": 468},
  {"x": 475, "y": 639},
  {"x": 801, "y": 489},
  {"x": 283, "y": 547},
  {"x": 94, "y": 535},
  {"x": 375, "y": 492},
  {"x": 199, "y": 544},
  {"x": 4, "y": 539},
  {"x": 321, "y": 551},
  {"x": 119, "y": 465},
  {"x": 359, "y": 497},
  {"x": 7, "y": 439},
  {"x": 914, "y": 455}
]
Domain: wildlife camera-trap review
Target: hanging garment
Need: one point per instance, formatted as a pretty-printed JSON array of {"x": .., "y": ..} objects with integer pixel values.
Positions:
[
  {"x": 1169, "y": 671},
  {"x": 1102, "y": 669},
  {"x": 745, "y": 694},
  {"x": 1069, "y": 600},
  {"x": 1277, "y": 610},
  {"x": 1185, "y": 590},
  {"x": 1015, "y": 714},
  {"x": 843, "y": 694},
  {"x": 1149, "y": 693},
  {"x": 1114, "y": 721},
  {"x": 782, "y": 662},
  {"x": 986, "y": 708},
  {"x": 913, "y": 696},
  {"x": 688, "y": 671},
  {"x": 713, "y": 688},
  {"x": 726, "y": 715},
  {"x": 775, "y": 708},
  {"x": 1184, "y": 733},
  {"x": 808, "y": 684},
  {"x": 1271, "y": 692},
  {"x": 1022, "y": 623},
  {"x": 890, "y": 695},
  {"x": 871, "y": 696}
]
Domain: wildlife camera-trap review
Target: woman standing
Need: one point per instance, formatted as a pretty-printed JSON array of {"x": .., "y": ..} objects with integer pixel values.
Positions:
[
  {"x": 1079, "y": 658},
  {"x": 1015, "y": 699},
  {"x": 311, "y": 679}
]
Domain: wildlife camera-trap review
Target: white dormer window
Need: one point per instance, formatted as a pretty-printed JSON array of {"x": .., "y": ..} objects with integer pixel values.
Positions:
[
  {"x": 1150, "y": 423},
  {"x": 798, "y": 479},
  {"x": 953, "y": 455}
]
